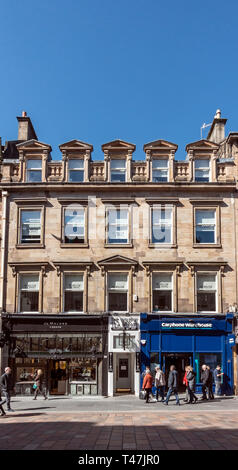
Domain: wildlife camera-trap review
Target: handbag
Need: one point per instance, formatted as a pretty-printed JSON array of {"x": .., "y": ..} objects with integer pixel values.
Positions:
[
  {"x": 142, "y": 394},
  {"x": 34, "y": 386}
]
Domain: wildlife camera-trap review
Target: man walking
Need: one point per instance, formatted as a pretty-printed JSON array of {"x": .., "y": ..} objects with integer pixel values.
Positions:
[
  {"x": 172, "y": 385},
  {"x": 217, "y": 379},
  {"x": 205, "y": 381},
  {"x": 210, "y": 381},
  {"x": 6, "y": 386}
]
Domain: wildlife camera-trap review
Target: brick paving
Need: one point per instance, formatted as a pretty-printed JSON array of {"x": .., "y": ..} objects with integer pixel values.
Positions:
[{"x": 144, "y": 430}]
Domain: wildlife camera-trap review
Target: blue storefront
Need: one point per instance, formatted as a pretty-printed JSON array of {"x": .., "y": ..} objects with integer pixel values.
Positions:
[{"x": 183, "y": 340}]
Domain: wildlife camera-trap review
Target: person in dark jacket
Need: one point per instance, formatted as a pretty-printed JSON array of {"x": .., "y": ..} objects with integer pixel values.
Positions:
[
  {"x": 205, "y": 381},
  {"x": 6, "y": 386},
  {"x": 38, "y": 381},
  {"x": 218, "y": 380},
  {"x": 191, "y": 378},
  {"x": 147, "y": 384},
  {"x": 172, "y": 385},
  {"x": 210, "y": 381}
]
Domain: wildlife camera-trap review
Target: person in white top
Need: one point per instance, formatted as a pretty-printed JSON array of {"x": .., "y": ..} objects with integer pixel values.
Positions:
[{"x": 159, "y": 383}]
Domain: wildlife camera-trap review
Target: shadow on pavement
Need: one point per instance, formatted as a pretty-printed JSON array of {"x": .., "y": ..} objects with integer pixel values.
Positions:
[
  {"x": 19, "y": 415},
  {"x": 38, "y": 408},
  {"x": 120, "y": 432}
]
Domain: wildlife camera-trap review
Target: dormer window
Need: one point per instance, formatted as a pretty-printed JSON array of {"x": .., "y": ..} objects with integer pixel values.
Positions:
[
  {"x": 118, "y": 171},
  {"x": 34, "y": 171},
  {"x": 160, "y": 171},
  {"x": 202, "y": 171},
  {"x": 76, "y": 171}
]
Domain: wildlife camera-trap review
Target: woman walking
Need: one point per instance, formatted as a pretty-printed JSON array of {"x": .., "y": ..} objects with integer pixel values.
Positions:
[
  {"x": 159, "y": 383},
  {"x": 191, "y": 378},
  {"x": 38, "y": 381},
  {"x": 185, "y": 382},
  {"x": 147, "y": 384}
]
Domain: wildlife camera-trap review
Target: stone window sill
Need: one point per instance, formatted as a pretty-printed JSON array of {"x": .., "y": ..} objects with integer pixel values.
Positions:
[
  {"x": 74, "y": 245},
  {"x": 30, "y": 245},
  {"x": 207, "y": 245},
  {"x": 118, "y": 245}
]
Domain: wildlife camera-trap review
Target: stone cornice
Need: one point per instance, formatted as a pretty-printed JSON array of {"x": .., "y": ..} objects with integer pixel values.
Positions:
[{"x": 105, "y": 186}]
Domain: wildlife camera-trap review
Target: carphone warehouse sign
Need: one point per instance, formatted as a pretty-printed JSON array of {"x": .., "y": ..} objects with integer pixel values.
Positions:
[{"x": 186, "y": 325}]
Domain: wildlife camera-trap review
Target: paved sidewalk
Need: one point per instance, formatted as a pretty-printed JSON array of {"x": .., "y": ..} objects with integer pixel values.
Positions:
[
  {"x": 114, "y": 404},
  {"x": 152, "y": 427}
]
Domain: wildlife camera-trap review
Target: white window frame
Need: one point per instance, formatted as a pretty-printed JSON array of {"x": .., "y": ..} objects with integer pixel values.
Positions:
[
  {"x": 83, "y": 209},
  {"x": 81, "y": 274},
  {"x": 207, "y": 273},
  {"x": 197, "y": 225},
  {"x": 118, "y": 170},
  {"x": 162, "y": 208},
  {"x": 116, "y": 209},
  {"x": 36, "y": 170},
  {"x": 161, "y": 273},
  {"x": 21, "y": 275},
  {"x": 202, "y": 169},
  {"x": 21, "y": 226},
  {"x": 119, "y": 291},
  {"x": 160, "y": 168},
  {"x": 76, "y": 170}
]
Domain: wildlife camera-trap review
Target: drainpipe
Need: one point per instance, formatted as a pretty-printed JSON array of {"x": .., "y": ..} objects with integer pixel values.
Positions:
[
  {"x": 234, "y": 203},
  {"x": 2, "y": 262}
]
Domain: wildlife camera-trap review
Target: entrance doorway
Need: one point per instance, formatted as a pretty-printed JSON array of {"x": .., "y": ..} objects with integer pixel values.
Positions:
[
  {"x": 58, "y": 377},
  {"x": 180, "y": 361},
  {"x": 123, "y": 373}
]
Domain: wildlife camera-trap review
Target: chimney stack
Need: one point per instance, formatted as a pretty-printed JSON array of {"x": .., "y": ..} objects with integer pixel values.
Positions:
[
  {"x": 26, "y": 130},
  {"x": 217, "y": 130}
]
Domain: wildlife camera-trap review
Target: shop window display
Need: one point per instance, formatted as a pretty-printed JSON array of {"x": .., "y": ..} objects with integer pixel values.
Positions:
[{"x": 210, "y": 359}]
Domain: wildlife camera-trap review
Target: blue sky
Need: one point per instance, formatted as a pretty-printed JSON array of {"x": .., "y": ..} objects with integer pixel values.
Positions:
[{"x": 137, "y": 70}]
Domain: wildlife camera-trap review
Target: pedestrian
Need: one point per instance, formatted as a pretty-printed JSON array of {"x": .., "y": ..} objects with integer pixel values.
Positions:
[
  {"x": 218, "y": 380},
  {"x": 185, "y": 382},
  {"x": 205, "y": 381},
  {"x": 191, "y": 378},
  {"x": 172, "y": 385},
  {"x": 210, "y": 381},
  {"x": 6, "y": 386},
  {"x": 38, "y": 381},
  {"x": 145, "y": 371},
  {"x": 159, "y": 383},
  {"x": 147, "y": 384}
]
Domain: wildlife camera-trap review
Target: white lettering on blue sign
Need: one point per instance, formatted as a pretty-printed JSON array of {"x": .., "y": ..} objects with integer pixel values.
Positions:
[{"x": 186, "y": 325}]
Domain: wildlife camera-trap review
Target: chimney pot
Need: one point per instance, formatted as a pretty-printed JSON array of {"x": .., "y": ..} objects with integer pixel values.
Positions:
[
  {"x": 24, "y": 113},
  {"x": 217, "y": 130}
]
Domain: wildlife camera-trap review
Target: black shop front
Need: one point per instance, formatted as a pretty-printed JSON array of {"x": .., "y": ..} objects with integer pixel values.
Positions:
[{"x": 71, "y": 350}]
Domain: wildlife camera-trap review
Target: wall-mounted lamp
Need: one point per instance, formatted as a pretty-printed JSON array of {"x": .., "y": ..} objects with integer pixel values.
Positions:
[{"x": 143, "y": 342}]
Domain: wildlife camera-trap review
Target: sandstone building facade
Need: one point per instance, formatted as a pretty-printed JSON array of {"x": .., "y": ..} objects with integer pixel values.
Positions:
[{"x": 93, "y": 251}]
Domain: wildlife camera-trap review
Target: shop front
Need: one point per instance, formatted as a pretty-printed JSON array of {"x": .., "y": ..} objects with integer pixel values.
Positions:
[
  {"x": 186, "y": 340},
  {"x": 71, "y": 351},
  {"x": 124, "y": 354}
]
